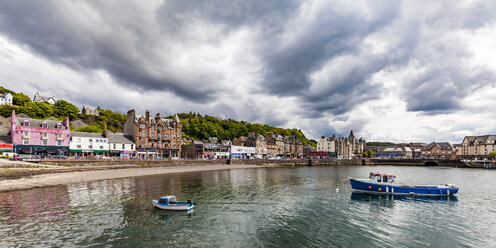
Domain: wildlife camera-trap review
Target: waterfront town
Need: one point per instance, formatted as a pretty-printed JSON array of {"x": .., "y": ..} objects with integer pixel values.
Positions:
[{"x": 155, "y": 137}]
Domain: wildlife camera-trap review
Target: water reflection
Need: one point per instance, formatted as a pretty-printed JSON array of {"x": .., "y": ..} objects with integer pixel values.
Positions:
[{"x": 303, "y": 207}]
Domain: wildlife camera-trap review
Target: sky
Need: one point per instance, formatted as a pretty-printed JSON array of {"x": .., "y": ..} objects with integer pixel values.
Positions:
[{"x": 400, "y": 71}]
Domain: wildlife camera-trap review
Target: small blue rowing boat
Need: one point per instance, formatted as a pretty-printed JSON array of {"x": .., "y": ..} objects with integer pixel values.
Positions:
[
  {"x": 170, "y": 203},
  {"x": 384, "y": 184}
]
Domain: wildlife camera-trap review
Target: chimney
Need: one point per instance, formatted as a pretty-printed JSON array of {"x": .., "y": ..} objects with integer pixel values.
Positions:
[
  {"x": 147, "y": 115},
  {"x": 106, "y": 133},
  {"x": 66, "y": 121}
]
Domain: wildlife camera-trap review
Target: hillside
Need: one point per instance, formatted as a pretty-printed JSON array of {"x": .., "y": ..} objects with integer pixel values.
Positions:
[{"x": 195, "y": 126}]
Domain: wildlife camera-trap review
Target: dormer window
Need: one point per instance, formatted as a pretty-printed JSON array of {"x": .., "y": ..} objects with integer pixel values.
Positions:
[
  {"x": 59, "y": 126},
  {"x": 44, "y": 125},
  {"x": 26, "y": 123}
]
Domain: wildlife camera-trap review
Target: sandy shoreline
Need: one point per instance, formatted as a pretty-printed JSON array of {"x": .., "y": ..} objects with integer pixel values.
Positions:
[{"x": 52, "y": 179}]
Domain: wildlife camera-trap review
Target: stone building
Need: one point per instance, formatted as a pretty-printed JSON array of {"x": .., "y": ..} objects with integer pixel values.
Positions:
[
  {"x": 154, "y": 136},
  {"x": 241, "y": 141},
  {"x": 89, "y": 111},
  {"x": 6, "y": 99},
  {"x": 293, "y": 147},
  {"x": 194, "y": 150},
  {"x": 275, "y": 144},
  {"x": 439, "y": 150},
  {"x": 478, "y": 145},
  {"x": 343, "y": 147},
  {"x": 49, "y": 99},
  {"x": 258, "y": 141}
]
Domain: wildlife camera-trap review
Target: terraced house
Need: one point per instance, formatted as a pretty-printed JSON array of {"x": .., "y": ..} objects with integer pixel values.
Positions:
[
  {"x": 154, "y": 136},
  {"x": 477, "y": 145}
]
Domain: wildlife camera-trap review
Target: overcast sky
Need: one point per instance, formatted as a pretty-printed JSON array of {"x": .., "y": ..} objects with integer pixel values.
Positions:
[{"x": 401, "y": 71}]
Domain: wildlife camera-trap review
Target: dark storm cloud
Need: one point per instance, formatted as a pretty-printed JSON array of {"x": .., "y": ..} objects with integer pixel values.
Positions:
[{"x": 294, "y": 40}]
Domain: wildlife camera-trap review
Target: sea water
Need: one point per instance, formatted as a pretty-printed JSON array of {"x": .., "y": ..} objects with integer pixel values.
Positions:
[{"x": 262, "y": 207}]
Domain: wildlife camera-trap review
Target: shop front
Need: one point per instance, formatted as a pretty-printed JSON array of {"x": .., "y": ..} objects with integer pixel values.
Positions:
[
  {"x": 6, "y": 147},
  {"x": 147, "y": 153},
  {"x": 44, "y": 151},
  {"x": 122, "y": 154},
  {"x": 85, "y": 153}
]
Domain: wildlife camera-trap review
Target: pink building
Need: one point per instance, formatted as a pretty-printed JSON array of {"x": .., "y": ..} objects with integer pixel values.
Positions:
[{"x": 33, "y": 136}]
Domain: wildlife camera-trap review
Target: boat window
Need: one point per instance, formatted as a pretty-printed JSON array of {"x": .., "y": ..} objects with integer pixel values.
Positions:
[
  {"x": 385, "y": 179},
  {"x": 161, "y": 201}
]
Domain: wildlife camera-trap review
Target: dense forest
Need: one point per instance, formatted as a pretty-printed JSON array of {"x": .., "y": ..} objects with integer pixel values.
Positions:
[{"x": 195, "y": 126}]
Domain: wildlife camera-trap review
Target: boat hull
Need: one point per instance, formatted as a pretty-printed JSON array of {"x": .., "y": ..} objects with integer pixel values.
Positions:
[
  {"x": 174, "y": 207},
  {"x": 391, "y": 189}
]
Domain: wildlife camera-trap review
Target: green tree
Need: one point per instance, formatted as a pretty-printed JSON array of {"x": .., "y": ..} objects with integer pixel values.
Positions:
[
  {"x": 492, "y": 154},
  {"x": 368, "y": 153},
  {"x": 6, "y": 110},
  {"x": 20, "y": 99},
  {"x": 89, "y": 129},
  {"x": 37, "y": 110},
  {"x": 63, "y": 109},
  {"x": 5, "y": 90}
]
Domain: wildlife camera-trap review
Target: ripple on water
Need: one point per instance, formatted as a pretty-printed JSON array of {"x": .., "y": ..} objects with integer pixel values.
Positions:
[{"x": 276, "y": 207}]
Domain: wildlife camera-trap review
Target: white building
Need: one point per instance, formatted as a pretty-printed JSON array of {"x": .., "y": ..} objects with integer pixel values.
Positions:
[
  {"x": 121, "y": 145},
  {"x": 242, "y": 152},
  {"x": 48, "y": 99},
  {"x": 326, "y": 145},
  {"x": 6, "y": 99},
  {"x": 88, "y": 144}
]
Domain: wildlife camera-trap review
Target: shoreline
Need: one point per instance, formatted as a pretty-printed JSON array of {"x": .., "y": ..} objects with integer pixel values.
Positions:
[{"x": 54, "y": 178}]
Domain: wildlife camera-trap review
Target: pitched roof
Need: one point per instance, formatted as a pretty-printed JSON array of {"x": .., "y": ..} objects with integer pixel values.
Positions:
[
  {"x": 120, "y": 138},
  {"x": 38, "y": 98},
  {"x": 442, "y": 145},
  {"x": 87, "y": 135},
  {"x": 51, "y": 123}
]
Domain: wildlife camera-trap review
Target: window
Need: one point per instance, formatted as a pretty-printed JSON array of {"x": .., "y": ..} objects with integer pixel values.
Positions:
[
  {"x": 153, "y": 127},
  {"x": 101, "y": 147},
  {"x": 142, "y": 125},
  {"x": 159, "y": 135},
  {"x": 26, "y": 123},
  {"x": 59, "y": 126},
  {"x": 26, "y": 133},
  {"x": 25, "y": 141},
  {"x": 159, "y": 127},
  {"x": 132, "y": 146},
  {"x": 44, "y": 125},
  {"x": 159, "y": 144},
  {"x": 78, "y": 139},
  {"x": 153, "y": 135},
  {"x": 166, "y": 136},
  {"x": 59, "y": 142},
  {"x": 123, "y": 146},
  {"x": 59, "y": 135},
  {"x": 79, "y": 146},
  {"x": 45, "y": 142},
  {"x": 114, "y": 146},
  {"x": 90, "y": 140},
  {"x": 45, "y": 135},
  {"x": 90, "y": 147}
]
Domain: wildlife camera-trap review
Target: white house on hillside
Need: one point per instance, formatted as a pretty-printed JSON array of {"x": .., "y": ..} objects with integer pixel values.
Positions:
[
  {"x": 6, "y": 99},
  {"x": 38, "y": 98}
]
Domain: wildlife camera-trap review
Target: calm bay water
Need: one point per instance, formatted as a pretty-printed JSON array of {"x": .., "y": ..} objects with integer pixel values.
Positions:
[{"x": 265, "y": 207}]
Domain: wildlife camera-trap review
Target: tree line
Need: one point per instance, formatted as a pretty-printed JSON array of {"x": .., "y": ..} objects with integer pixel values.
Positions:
[{"x": 195, "y": 126}]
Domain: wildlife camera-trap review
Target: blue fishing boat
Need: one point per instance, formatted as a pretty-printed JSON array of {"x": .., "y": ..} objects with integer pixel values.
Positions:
[
  {"x": 384, "y": 184},
  {"x": 170, "y": 203}
]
